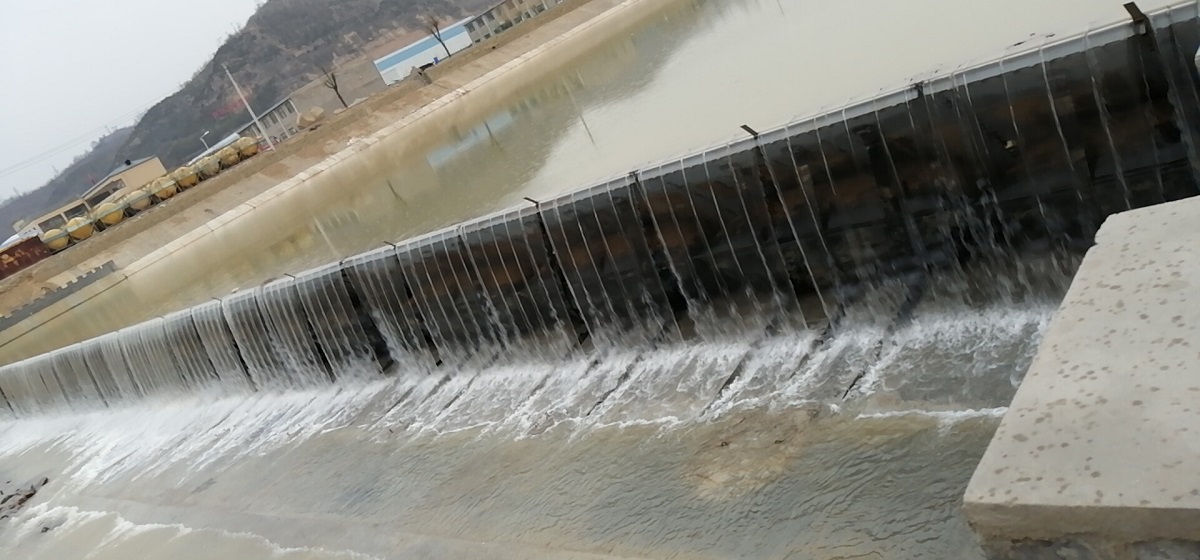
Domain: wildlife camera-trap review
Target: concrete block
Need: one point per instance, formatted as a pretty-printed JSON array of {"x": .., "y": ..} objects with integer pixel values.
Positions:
[{"x": 1103, "y": 436}]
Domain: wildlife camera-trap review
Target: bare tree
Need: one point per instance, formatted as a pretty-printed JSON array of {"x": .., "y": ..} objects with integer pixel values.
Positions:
[
  {"x": 332, "y": 83},
  {"x": 434, "y": 28}
]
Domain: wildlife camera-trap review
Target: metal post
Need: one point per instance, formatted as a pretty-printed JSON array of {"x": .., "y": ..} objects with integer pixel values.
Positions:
[
  {"x": 573, "y": 308},
  {"x": 257, "y": 125},
  {"x": 1138, "y": 17}
]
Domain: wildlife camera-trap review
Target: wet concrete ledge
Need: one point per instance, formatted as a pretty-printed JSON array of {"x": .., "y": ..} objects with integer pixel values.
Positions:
[{"x": 1098, "y": 453}]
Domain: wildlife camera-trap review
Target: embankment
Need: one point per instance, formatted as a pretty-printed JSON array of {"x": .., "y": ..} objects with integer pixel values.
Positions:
[{"x": 490, "y": 71}]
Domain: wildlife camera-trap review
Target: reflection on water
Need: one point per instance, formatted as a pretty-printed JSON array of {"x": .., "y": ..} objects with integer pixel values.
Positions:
[{"x": 686, "y": 76}]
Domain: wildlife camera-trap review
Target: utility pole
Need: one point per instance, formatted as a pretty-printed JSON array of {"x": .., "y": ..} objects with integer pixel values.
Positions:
[{"x": 257, "y": 125}]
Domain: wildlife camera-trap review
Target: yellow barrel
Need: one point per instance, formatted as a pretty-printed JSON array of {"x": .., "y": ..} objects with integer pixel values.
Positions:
[
  {"x": 208, "y": 167},
  {"x": 247, "y": 146},
  {"x": 108, "y": 213},
  {"x": 185, "y": 177},
  {"x": 164, "y": 188},
  {"x": 229, "y": 157},
  {"x": 56, "y": 239},
  {"x": 80, "y": 228},
  {"x": 137, "y": 200}
]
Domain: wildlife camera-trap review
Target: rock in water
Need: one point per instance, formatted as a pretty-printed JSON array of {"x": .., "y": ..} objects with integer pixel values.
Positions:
[{"x": 11, "y": 501}]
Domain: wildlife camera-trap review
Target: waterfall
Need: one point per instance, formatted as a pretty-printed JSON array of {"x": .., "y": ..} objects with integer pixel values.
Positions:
[{"x": 782, "y": 230}]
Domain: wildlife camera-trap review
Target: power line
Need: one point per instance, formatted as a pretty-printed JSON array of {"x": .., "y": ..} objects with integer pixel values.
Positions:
[
  {"x": 64, "y": 146},
  {"x": 51, "y": 152}
]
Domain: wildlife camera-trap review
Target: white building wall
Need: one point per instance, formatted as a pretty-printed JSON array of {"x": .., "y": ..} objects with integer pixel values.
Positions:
[{"x": 398, "y": 65}]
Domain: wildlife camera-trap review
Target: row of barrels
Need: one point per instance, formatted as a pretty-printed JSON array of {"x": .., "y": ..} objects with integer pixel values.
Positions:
[{"x": 126, "y": 203}]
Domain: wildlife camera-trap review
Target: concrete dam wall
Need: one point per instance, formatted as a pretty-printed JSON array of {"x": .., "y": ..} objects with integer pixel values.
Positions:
[{"x": 1024, "y": 154}]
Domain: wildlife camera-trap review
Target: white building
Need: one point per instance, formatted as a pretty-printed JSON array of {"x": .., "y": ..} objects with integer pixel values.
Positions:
[
  {"x": 503, "y": 16},
  {"x": 398, "y": 65}
]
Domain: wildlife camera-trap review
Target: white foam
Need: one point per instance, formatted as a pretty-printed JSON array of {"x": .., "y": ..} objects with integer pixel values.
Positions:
[
  {"x": 945, "y": 419},
  {"x": 977, "y": 333},
  {"x": 668, "y": 387},
  {"x": 119, "y": 536}
]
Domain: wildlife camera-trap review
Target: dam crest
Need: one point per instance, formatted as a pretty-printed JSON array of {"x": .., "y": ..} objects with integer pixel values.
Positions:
[{"x": 783, "y": 231}]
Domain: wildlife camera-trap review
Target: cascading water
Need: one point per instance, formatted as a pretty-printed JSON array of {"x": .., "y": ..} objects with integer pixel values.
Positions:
[
  {"x": 752, "y": 351},
  {"x": 681, "y": 447}
]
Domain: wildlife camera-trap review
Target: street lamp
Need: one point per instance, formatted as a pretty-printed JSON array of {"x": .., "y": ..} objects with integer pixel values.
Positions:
[{"x": 206, "y": 148}]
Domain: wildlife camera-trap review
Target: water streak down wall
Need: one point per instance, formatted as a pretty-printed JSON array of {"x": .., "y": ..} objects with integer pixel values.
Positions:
[{"x": 1026, "y": 153}]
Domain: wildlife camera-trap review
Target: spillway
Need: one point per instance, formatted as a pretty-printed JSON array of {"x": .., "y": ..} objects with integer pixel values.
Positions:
[{"x": 779, "y": 232}]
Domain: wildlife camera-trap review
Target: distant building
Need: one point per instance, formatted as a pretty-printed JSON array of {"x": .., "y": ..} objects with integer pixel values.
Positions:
[
  {"x": 216, "y": 147},
  {"x": 504, "y": 15},
  {"x": 132, "y": 174},
  {"x": 128, "y": 176},
  {"x": 26, "y": 230},
  {"x": 57, "y": 218},
  {"x": 356, "y": 80},
  {"x": 398, "y": 65},
  {"x": 278, "y": 122}
]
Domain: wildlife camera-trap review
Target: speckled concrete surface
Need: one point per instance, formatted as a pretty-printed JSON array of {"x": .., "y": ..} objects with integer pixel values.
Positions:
[{"x": 1103, "y": 436}]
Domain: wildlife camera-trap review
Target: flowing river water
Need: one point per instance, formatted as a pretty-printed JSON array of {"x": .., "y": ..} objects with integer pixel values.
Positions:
[{"x": 853, "y": 441}]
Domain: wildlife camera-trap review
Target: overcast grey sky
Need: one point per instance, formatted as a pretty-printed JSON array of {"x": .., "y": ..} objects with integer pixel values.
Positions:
[{"x": 71, "y": 68}]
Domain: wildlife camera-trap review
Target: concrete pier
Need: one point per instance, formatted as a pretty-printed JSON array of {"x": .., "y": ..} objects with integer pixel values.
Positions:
[{"x": 1100, "y": 451}]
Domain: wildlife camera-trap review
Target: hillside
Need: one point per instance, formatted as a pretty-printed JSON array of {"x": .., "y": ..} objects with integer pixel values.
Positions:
[
  {"x": 281, "y": 47},
  {"x": 87, "y": 168}
]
